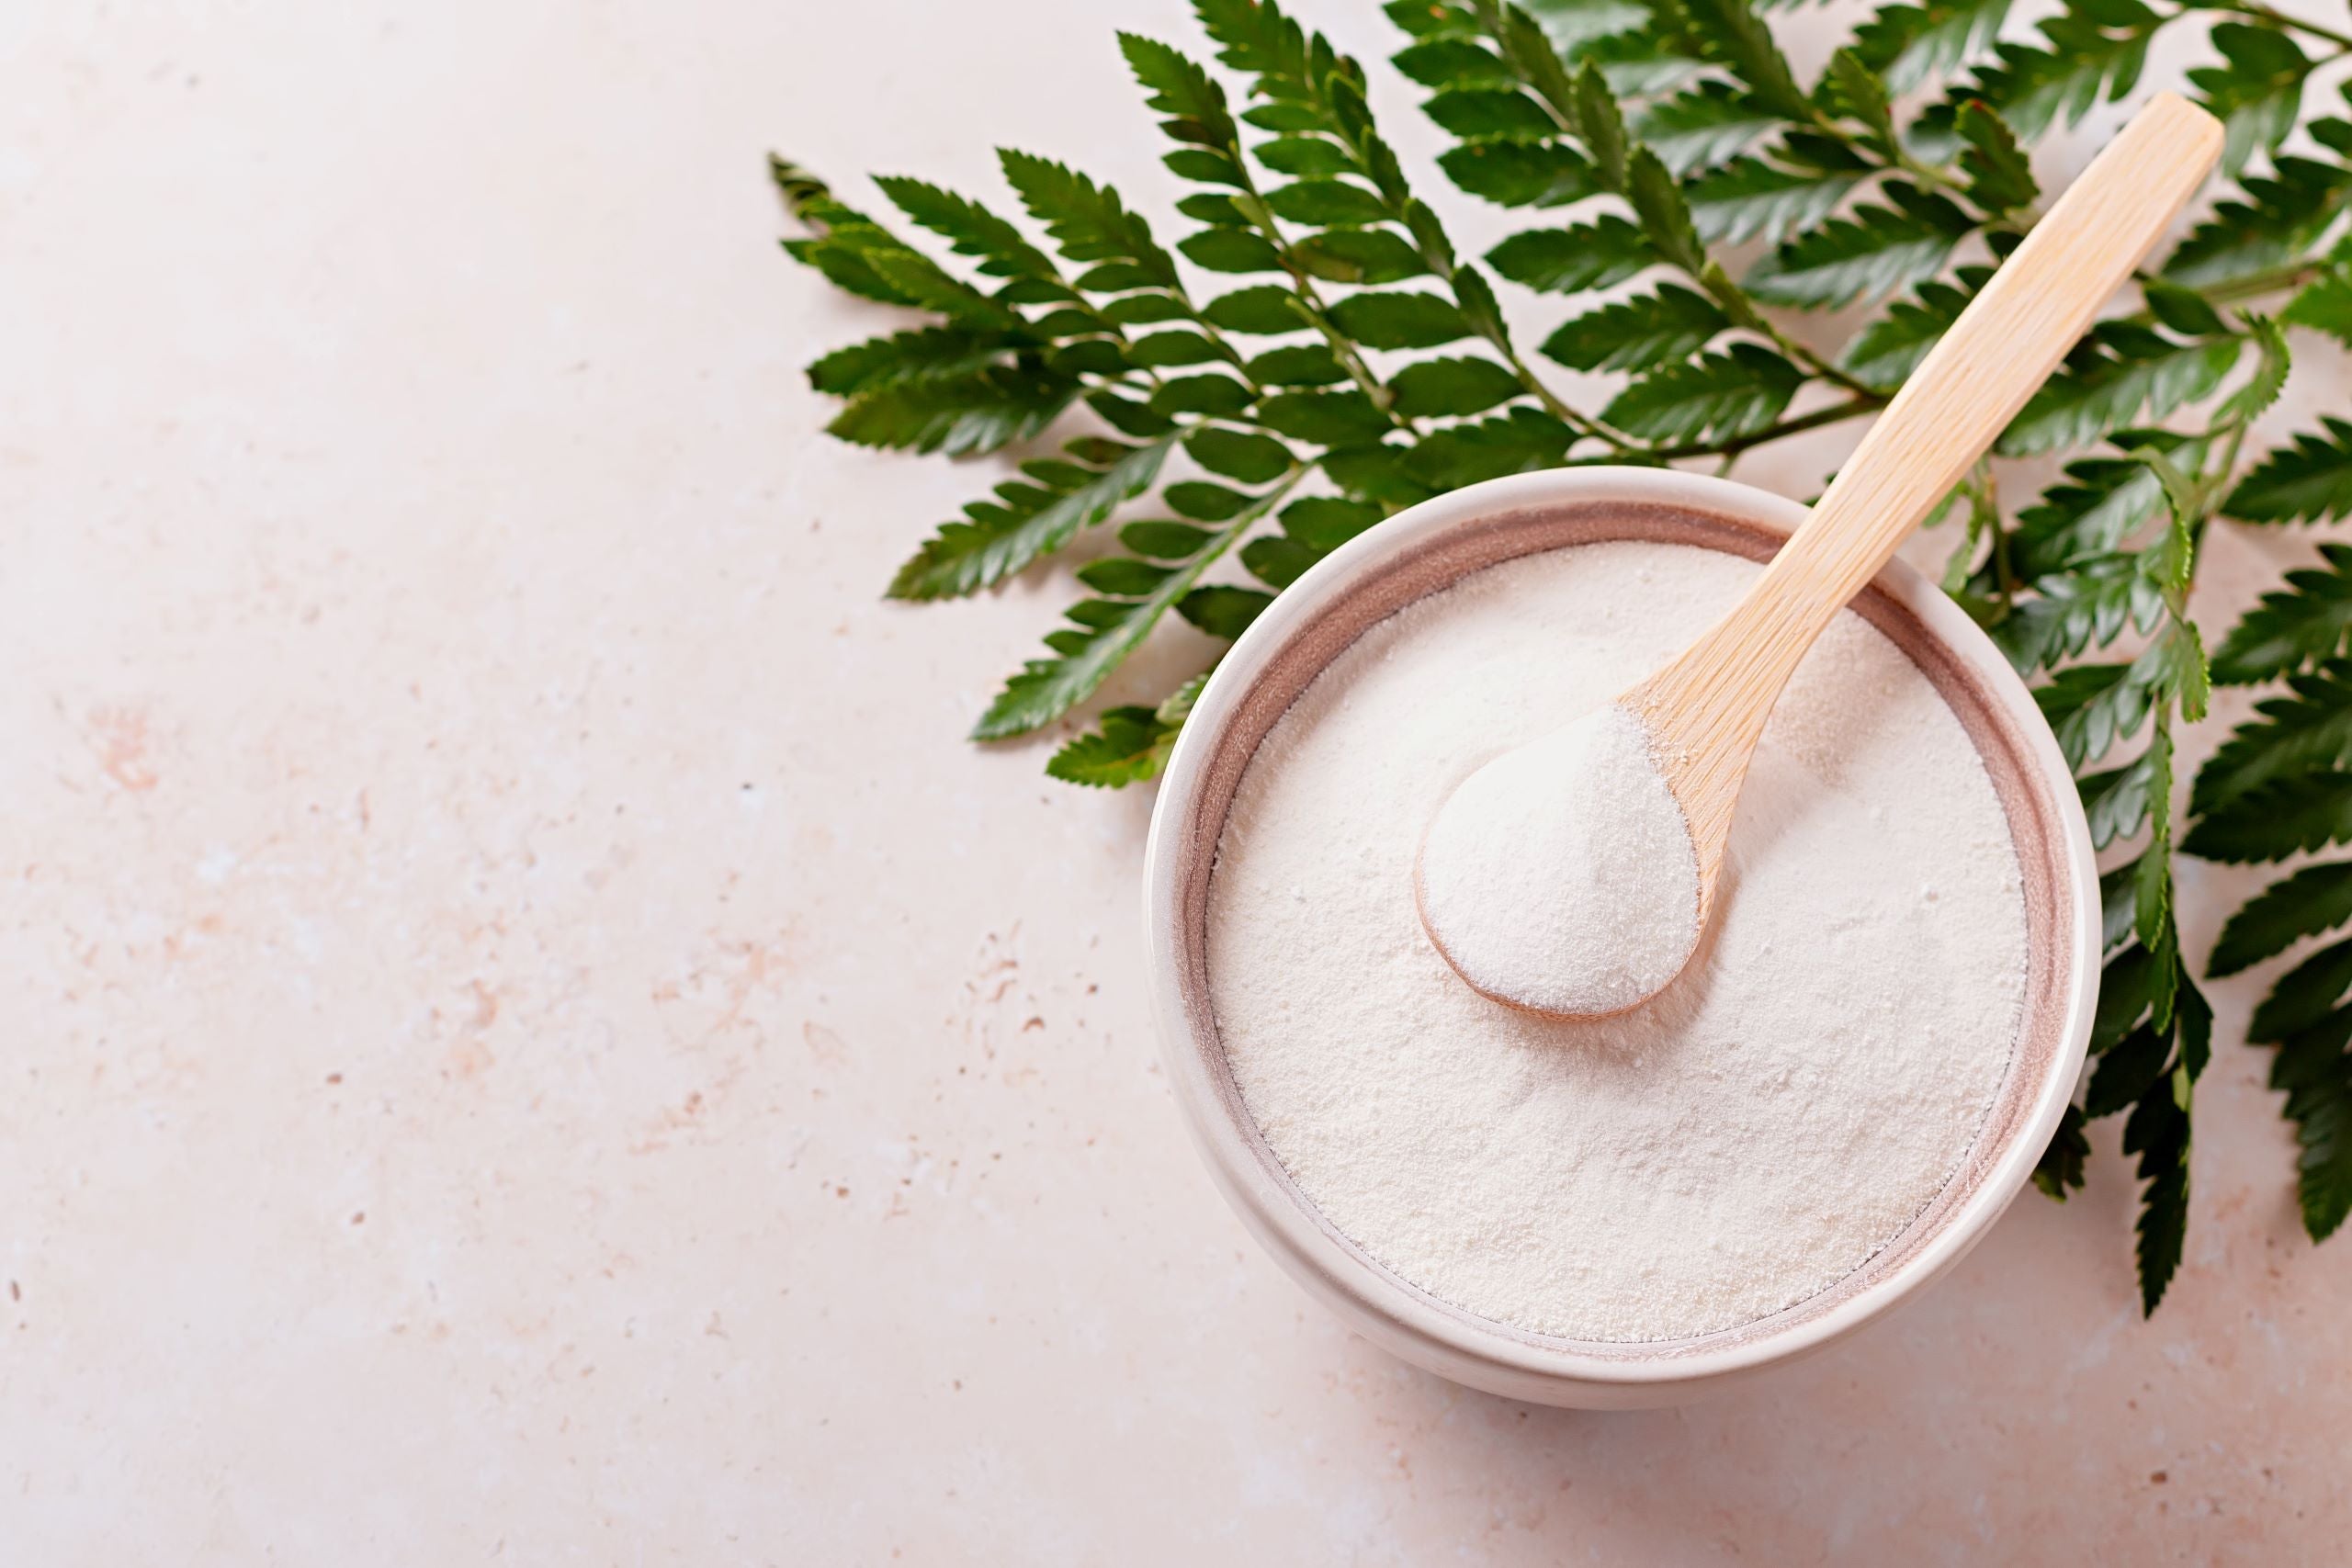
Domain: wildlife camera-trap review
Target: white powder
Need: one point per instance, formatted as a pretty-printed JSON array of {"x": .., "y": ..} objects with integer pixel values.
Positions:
[
  {"x": 1778, "y": 1115},
  {"x": 1561, "y": 875}
]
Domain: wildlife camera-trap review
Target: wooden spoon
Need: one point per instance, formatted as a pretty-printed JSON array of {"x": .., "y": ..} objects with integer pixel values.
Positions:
[{"x": 1705, "y": 711}]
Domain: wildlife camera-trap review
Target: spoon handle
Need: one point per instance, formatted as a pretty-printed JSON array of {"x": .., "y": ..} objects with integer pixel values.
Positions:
[{"x": 1971, "y": 385}]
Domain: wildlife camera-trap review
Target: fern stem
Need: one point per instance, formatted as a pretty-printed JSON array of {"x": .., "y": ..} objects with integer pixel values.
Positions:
[
  {"x": 1587, "y": 424},
  {"x": 1985, "y": 502},
  {"x": 2286, "y": 275},
  {"x": 1583, "y": 424},
  {"x": 1834, "y": 413},
  {"x": 1310, "y": 302},
  {"x": 2217, "y": 484},
  {"x": 1813, "y": 362},
  {"x": 1234, "y": 356},
  {"x": 2277, "y": 18},
  {"x": 1894, "y": 157},
  {"x": 1261, "y": 506},
  {"x": 1303, "y": 289}
]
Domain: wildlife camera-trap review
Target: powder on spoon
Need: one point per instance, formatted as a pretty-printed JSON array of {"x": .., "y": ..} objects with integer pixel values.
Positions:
[
  {"x": 1561, "y": 875},
  {"x": 1774, "y": 1117}
]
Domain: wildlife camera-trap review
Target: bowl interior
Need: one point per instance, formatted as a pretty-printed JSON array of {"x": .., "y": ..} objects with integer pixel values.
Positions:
[{"x": 2035, "y": 819}]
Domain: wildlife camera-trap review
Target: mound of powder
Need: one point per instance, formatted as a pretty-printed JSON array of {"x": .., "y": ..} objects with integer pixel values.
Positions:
[
  {"x": 1561, "y": 875},
  {"x": 1767, "y": 1124}
]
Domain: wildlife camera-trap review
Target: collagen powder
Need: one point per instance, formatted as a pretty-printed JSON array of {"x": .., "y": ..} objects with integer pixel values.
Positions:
[
  {"x": 1561, "y": 875},
  {"x": 1760, "y": 1130}
]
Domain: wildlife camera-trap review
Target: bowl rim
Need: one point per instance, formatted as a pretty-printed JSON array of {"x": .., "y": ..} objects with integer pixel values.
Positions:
[{"x": 1392, "y": 1310}]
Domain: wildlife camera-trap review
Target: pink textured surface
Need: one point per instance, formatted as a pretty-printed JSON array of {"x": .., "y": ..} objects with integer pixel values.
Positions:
[{"x": 528, "y": 1037}]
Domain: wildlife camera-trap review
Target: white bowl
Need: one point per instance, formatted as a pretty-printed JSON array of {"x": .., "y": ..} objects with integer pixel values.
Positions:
[{"x": 1422, "y": 550}]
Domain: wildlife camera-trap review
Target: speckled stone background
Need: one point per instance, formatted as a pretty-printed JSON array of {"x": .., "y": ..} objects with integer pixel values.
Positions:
[{"x": 525, "y": 1035}]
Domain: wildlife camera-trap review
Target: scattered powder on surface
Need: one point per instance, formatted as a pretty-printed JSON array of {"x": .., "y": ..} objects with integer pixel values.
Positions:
[
  {"x": 1774, "y": 1117},
  {"x": 1561, "y": 875}
]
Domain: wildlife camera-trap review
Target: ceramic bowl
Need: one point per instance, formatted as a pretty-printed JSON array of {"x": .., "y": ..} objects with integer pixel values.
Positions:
[{"x": 1422, "y": 550}]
